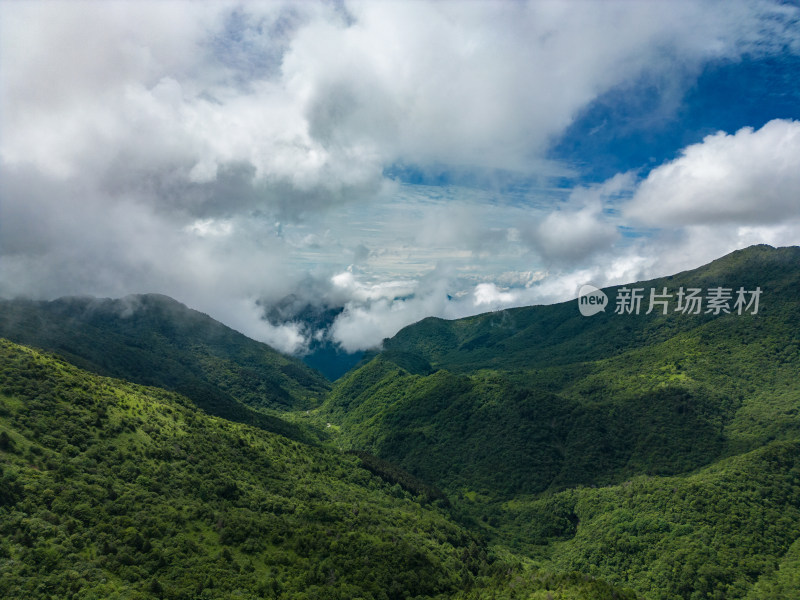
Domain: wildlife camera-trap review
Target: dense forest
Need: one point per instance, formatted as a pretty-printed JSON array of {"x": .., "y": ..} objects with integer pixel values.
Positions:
[
  {"x": 527, "y": 453},
  {"x": 657, "y": 451}
]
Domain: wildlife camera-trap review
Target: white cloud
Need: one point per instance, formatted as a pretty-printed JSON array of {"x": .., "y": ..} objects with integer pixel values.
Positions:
[
  {"x": 750, "y": 177},
  {"x": 573, "y": 235},
  {"x": 477, "y": 84},
  {"x": 210, "y": 227},
  {"x": 246, "y": 316},
  {"x": 351, "y": 288},
  {"x": 364, "y": 325},
  {"x": 488, "y": 294},
  {"x": 679, "y": 249},
  {"x": 579, "y": 228},
  {"x": 487, "y": 84}
]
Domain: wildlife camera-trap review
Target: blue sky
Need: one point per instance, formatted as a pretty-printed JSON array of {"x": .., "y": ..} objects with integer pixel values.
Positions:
[
  {"x": 628, "y": 128},
  {"x": 392, "y": 159}
]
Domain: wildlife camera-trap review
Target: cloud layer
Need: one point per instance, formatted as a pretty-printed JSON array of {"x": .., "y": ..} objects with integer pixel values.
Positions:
[{"x": 234, "y": 155}]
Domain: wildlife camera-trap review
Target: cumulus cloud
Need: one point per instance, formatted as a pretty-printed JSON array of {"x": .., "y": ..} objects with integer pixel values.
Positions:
[
  {"x": 672, "y": 250},
  {"x": 749, "y": 177},
  {"x": 488, "y": 84},
  {"x": 582, "y": 226}
]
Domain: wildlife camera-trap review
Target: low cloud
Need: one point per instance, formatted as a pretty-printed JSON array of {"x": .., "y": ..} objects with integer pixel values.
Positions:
[
  {"x": 378, "y": 311},
  {"x": 570, "y": 236}
]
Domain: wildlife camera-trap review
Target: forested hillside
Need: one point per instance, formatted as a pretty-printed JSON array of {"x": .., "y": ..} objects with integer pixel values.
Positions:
[
  {"x": 688, "y": 425},
  {"x": 532, "y": 453},
  {"x": 110, "y": 490},
  {"x": 115, "y": 490},
  {"x": 544, "y": 336},
  {"x": 154, "y": 340}
]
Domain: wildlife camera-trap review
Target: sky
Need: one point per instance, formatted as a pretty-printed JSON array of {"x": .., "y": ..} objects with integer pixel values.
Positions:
[{"x": 388, "y": 161}]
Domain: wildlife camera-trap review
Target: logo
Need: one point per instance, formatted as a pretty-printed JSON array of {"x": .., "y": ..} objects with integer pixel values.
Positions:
[
  {"x": 591, "y": 300},
  {"x": 690, "y": 301}
]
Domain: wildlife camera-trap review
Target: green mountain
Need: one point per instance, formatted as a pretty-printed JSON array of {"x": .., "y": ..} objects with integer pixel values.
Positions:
[
  {"x": 111, "y": 490},
  {"x": 532, "y": 453},
  {"x": 544, "y": 336},
  {"x": 517, "y": 414},
  {"x": 154, "y": 340},
  {"x": 601, "y": 399}
]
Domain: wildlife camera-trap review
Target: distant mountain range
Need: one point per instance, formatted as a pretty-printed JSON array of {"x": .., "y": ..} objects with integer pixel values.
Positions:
[{"x": 525, "y": 453}]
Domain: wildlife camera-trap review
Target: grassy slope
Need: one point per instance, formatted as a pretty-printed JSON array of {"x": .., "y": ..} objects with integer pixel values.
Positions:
[{"x": 154, "y": 340}]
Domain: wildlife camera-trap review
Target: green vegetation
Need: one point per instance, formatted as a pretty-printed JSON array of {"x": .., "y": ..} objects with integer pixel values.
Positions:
[
  {"x": 545, "y": 336},
  {"x": 488, "y": 433},
  {"x": 154, "y": 340},
  {"x": 712, "y": 534},
  {"x": 517, "y": 415},
  {"x": 111, "y": 490},
  {"x": 526, "y": 454}
]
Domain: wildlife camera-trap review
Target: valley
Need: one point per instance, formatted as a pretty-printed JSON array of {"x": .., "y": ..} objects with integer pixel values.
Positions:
[{"x": 151, "y": 452}]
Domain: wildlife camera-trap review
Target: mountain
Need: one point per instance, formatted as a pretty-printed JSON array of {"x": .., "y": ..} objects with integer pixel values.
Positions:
[
  {"x": 529, "y": 453},
  {"x": 730, "y": 530},
  {"x": 114, "y": 490},
  {"x": 518, "y": 414},
  {"x": 155, "y": 340},
  {"x": 544, "y": 336},
  {"x": 479, "y": 402}
]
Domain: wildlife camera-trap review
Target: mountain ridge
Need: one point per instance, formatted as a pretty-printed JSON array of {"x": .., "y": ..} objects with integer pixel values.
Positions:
[
  {"x": 651, "y": 452},
  {"x": 392, "y": 387},
  {"x": 555, "y": 333},
  {"x": 110, "y": 489}
]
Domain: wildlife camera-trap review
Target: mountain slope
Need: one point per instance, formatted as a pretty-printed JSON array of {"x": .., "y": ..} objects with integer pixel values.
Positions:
[
  {"x": 114, "y": 490},
  {"x": 544, "y": 336},
  {"x": 498, "y": 414},
  {"x": 154, "y": 340},
  {"x": 495, "y": 435},
  {"x": 657, "y": 452},
  {"x": 108, "y": 487},
  {"x": 674, "y": 395},
  {"x": 728, "y": 531}
]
